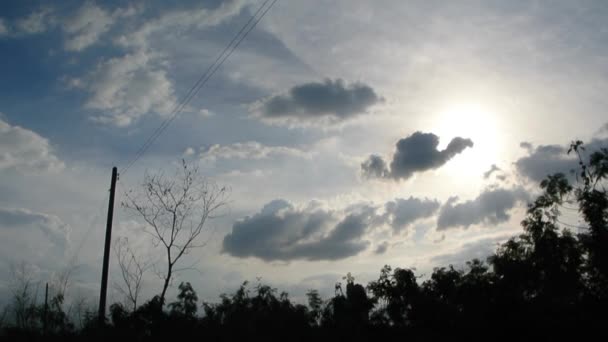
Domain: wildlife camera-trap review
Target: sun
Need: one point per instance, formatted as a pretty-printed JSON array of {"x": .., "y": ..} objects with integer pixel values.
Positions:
[{"x": 478, "y": 123}]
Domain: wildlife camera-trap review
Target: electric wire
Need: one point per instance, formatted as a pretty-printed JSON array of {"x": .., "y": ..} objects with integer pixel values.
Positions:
[{"x": 227, "y": 52}]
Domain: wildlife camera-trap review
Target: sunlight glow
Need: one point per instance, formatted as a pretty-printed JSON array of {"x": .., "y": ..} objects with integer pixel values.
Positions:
[{"x": 478, "y": 123}]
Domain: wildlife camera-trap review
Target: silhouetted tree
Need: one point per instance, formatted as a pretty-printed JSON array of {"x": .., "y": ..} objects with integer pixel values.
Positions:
[
  {"x": 316, "y": 304},
  {"x": 593, "y": 205},
  {"x": 397, "y": 292},
  {"x": 176, "y": 210},
  {"x": 543, "y": 281},
  {"x": 132, "y": 269},
  {"x": 185, "y": 306}
]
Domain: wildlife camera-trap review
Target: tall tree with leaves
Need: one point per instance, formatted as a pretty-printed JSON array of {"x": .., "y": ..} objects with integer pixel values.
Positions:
[
  {"x": 185, "y": 306},
  {"x": 593, "y": 205}
]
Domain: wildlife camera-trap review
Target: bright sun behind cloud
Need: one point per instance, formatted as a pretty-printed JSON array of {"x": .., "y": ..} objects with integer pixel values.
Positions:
[{"x": 478, "y": 123}]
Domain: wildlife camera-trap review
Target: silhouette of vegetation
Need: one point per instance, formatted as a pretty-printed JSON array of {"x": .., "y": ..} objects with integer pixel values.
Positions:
[
  {"x": 175, "y": 211},
  {"x": 546, "y": 282},
  {"x": 132, "y": 269}
]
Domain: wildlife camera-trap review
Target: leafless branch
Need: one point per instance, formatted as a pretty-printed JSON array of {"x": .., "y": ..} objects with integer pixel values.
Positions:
[
  {"x": 176, "y": 211},
  {"x": 132, "y": 269}
]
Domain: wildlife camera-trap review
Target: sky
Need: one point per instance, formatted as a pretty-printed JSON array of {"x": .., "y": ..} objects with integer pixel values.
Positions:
[{"x": 351, "y": 134}]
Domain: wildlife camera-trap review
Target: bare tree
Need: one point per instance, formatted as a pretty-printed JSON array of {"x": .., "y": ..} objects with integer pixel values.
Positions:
[
  {"x": 25, "y": 293},
  {"x": 132, "y": 269},
  {"x": 176, "y": 210},
  {"x": 79, "y": 311},
  {"x": 3, "y": 316}
]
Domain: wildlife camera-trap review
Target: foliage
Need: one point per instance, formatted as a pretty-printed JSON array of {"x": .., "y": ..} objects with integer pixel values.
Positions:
[{"x": 546, "y": 280}]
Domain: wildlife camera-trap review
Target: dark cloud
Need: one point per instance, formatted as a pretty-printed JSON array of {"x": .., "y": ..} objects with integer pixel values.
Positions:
[
  {"x": 281, "y": 231},
  {"x": 526, "y": 145},
  {"x": 603, "y": 129},
  {"x": 492, "y": 169},
  {"x": 416, "y": 153},
  {"x": 333, "y": 100},
  {"x": 401, "y": 213},
  {"x": 490, "y": 207},
  {"x": 381, "y": 248},
  {"x": 545, "y": 160},
  {"x": 375, "y": 167}
]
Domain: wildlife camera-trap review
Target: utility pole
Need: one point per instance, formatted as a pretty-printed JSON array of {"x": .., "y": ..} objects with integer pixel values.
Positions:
[
  {"x": 106, "y": 251},
  {"x": 46, "y": 309}
]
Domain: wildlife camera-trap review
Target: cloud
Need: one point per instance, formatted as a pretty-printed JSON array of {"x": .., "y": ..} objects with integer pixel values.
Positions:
[
  {"x": 480, "y": 249},
  {"x": 86, "y": 26},
  {"x": 281, "y": 231},
  {"x": 37, "y": 22},
  {"x": 492, "y": 170},
  {"x": 3, "y": 28},
  {"x": 52, "y": 227},
  {"x": 602, "y": 130},
  {"x": 34, "y": 238},
  {"x": 125, "y": 88},
  {"x": 545, "y": 160},
  {"x": 206, "y": 113},
  {"x": 526, "y": 145},
  {"x": 22, "y": 149},
  {"x": 250, "y": 150},
  {"x": 491, "y": 207},
  {"x": 401, "y": 213},
  {"x": 176, "y": 21},
  {"x": 375, "y": 167},
  {"x": 416, "y": 153},
  {"x": 381, "y": 248},
  {"x": 317, "y": 102}
]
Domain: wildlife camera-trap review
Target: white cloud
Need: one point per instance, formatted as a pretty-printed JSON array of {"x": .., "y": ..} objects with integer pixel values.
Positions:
[
  {"x": 188, "y": 152},
  {"x": 23, "y": 149},
  {"x": 205, "y": 113},
  {"x": 33, "y": 237},
  {"x": 250, "y": 150},
  {"x": 128, "y": 87},
  {"x": 3, "y": 28},
  {"x": 51, "y": 226},
  {"x": 37, "y": 22},
  {"x": 176, "y": 21},
  {"x": 86, "y": 26}
]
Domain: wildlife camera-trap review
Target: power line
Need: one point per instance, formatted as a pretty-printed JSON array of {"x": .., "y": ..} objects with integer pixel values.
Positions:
[
  {"x": 571, "y": 225},
  {"x": 192, "y": 89},
  {"x": 568, "y": 208},
  {"x": 92, "y": 225},
  {"x": 228, "y": 50}
]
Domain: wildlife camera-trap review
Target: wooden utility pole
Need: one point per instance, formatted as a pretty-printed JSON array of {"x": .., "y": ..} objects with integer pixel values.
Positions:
[
  {"x": 46, "y": 309},
  {"x": 106, "y": 251}
]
